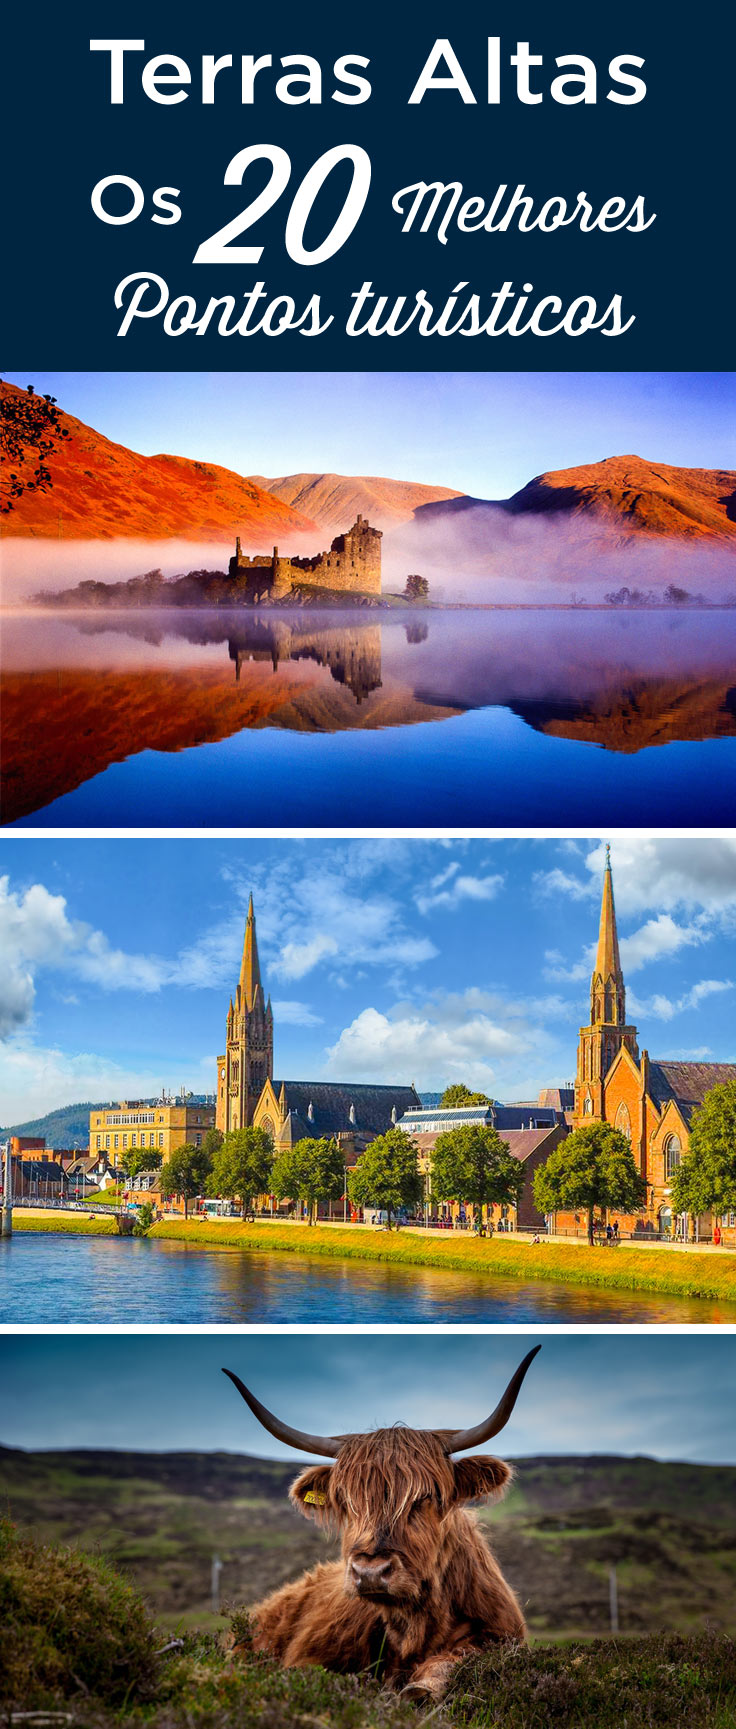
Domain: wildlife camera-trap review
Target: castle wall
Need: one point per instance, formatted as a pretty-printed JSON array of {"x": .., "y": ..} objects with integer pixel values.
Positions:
[{"x": 352, "y": 566}]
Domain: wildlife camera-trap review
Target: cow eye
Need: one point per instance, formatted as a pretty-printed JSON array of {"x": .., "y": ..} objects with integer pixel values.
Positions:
[{"x": 419, "y": 1505}]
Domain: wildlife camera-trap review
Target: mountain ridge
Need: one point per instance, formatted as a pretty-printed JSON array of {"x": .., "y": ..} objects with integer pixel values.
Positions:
[{"x": 334, "y": 500}]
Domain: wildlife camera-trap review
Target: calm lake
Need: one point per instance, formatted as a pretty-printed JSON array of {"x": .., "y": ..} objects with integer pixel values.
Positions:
[
  {"x": 96, "y": 1281},
  {"x": 460, "y": 717}
]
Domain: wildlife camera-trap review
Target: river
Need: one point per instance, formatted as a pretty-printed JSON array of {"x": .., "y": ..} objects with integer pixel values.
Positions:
[{"x": 53, "y": 1278}]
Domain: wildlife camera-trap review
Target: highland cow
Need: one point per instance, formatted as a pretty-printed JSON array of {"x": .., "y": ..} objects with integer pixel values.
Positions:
[{"x": 417, "y": 1587}]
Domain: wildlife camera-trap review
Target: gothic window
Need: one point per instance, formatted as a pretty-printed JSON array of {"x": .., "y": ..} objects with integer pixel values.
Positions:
[
  {"x": 588, "y": 1105},
  {"x": 235, "y": 1077},
  {"x": 672, "y": 1155},
  {"x": 267, "y": 1126},
  {"x": 623, "y": 1121}
]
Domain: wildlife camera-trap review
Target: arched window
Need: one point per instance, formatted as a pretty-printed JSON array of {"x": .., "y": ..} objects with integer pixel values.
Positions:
[
  {"x": 267, "y": 1126},
  {"x": 623, "y": 1121},
  {"x": 672, "y": 1155},
  {"x": 588, "y": 1105}
]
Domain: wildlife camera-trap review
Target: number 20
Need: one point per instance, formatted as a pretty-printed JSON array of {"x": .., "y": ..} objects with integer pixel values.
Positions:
[{"x": 217, "y": 249}]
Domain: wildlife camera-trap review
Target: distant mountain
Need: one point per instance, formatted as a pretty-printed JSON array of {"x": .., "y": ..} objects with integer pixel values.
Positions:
[
  {"x": 624, "y": 492},
  {"x": 334, "y": 500},
  {"x": 102, "y": 491},
  {"x": 669, "y": 1528}
]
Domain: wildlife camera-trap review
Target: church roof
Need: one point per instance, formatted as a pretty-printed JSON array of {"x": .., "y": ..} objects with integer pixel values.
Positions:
[
  {"x": 331, "y": 1104},
  {"x": 687, "y": 1083}
]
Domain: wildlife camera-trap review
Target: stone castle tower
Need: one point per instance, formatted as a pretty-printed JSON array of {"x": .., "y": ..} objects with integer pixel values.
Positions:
[
  {"x": 599, "y": 1042},
  {"x": 352, "y": 566},
  {"x": 248, "y": 1059}
]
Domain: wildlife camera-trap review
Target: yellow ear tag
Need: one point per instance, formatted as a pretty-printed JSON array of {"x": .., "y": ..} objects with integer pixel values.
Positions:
[{"x": 314, "y": 1498}]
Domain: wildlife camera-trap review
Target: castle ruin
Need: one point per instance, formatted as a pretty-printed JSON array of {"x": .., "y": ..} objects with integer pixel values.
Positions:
[{"x": 352, "y": 566}]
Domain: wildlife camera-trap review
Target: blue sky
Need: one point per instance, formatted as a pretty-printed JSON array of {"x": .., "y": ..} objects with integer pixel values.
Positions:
[
  {"x": 482, "y": 433},
  {"x": 387, "y": 959},
  {"x": 669, "y": 1396}
]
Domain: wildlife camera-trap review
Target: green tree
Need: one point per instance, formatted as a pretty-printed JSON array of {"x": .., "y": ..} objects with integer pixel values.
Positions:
[
  {"x": 458, "y": 1095},
  {"x": 185, "y": 1173},
  {"x": 137, "y": 1159},
  {"x": 473, "y": 1164},
  {"x": 143, "y": 1220},
  {"x": 706, "y": 1180},
  {"x": 310, "y": 1171},
  {"x": 29, "y": 428},
  {"x": 387, "y": 1174},
  {"x": 593, "y": 1168},
  {"x": 417, "y": 587},
  {"x": 212, "y": 1142},
  {"x": 243, "y": 1167}
]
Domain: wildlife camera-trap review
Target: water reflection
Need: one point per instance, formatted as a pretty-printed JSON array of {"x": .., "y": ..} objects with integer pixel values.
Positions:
[
  {"x": 169, "y": 1283},
  {"x": 84, "y": 692}
]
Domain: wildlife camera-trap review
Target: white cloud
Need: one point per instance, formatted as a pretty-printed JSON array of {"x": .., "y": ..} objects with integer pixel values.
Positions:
[
  {"x": 292, "y": 1014},
  {"x": 297, "y": 959},
  {"x": 663, "y": 1008},
  {"x": 559, "y": 882},
  {"x": 484, "y": 1039},
  {"x": 658, "y": 939},
  {"x": 458, "y": 888},
  {"x": 35, "y": 1078}
]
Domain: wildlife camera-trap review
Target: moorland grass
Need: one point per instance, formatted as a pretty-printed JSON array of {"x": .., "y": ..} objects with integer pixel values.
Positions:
[
  {"x": 76, "y": 1639},
  {"x": 622, "y": 1269}
]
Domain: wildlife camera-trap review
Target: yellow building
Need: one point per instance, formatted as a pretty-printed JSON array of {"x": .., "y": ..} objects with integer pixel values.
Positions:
[{"x": 159, "y": 1127}]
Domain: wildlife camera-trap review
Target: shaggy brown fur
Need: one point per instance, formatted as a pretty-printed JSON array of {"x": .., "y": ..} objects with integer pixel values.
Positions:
[{"x": 417, "y": 1585}]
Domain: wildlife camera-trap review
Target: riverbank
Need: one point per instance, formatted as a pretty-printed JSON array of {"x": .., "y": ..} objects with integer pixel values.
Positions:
[{"x": 696, "y": 1274}]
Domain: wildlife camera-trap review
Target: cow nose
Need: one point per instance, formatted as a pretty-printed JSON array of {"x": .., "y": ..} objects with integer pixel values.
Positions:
[{"x": 370, "y": 1572}]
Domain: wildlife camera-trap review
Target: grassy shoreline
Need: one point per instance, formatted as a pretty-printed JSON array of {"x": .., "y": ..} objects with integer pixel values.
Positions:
[{"x": 692, "y": 1275}]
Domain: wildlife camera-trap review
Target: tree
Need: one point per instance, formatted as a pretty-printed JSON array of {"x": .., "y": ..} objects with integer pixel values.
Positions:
[
  {"x": 417, "y": 587},
  {"x": 137, "y": 1159},
  {"x": 185, "y": 1173},
  {"x": 310, "y": 1171},
  {"x": 143, "y": 1220},
  {"x": 387, "y": 1174},
  {"x": 458, "y": 1095},
  {"x": 593, "y": 1168},
  {"x": 29, "y": 426},
  {"x": 473, "y": 1164},
  {"x": 212, "y": 1142},
  {"x": 243, "y": 1166},
  {"x": 707, "y": 1177}
]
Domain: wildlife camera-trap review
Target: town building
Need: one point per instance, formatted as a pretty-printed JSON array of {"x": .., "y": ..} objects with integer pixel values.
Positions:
[
  {"x": 530, "y": 1131},
  {"x": 158, "y": 1125},
  {"x": 651, "y": 1102},
  {"x": 36, "y": 1179},
  {"x": 352, "y": 566}
]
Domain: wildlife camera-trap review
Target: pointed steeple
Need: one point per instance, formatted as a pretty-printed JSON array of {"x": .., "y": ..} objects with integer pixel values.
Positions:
[
  {"x": 250, "y": 970},
  {"x": 600, "y": 1042},
  {"x": 608, "y": 959}
]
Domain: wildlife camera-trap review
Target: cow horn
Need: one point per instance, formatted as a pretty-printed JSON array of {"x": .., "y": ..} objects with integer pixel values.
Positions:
[
  {"x": 464, "y": 1438},
  {"x": 327, "y": 1445}
]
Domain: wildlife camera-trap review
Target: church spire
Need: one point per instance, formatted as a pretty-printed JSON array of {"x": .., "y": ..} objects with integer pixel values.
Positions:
[
  {"x": 608, "y": 959},
  {"x": 250, "y": 971}
]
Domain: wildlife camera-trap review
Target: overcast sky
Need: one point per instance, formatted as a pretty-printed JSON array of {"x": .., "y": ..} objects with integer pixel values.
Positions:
[
  {"x": 486, "y": 433},
  {"x": 387, "y": 960},
  {"x": 673, "y": 1397}
]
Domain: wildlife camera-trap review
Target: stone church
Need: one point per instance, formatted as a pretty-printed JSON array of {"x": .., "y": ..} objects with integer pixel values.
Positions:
[
  {"x": 651, "y": 1102},
  {"x": 350, "y": 1112}
]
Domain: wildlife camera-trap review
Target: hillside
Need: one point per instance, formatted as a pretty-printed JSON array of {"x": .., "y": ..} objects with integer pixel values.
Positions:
[
  {"x": 670, "y": 1530},
  {"x": 102, "y": 490},
  {"x": 66, "y": 1127},
  {"x": 334, "y": 500},
  {"x": 627, "y": 493}
]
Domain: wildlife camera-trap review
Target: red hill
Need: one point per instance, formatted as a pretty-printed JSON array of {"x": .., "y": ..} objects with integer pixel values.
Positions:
[
  {"x": 334, "y": 499},
  {"x": 103, "y": 491},
  {"x": 639, "y": 496}
]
